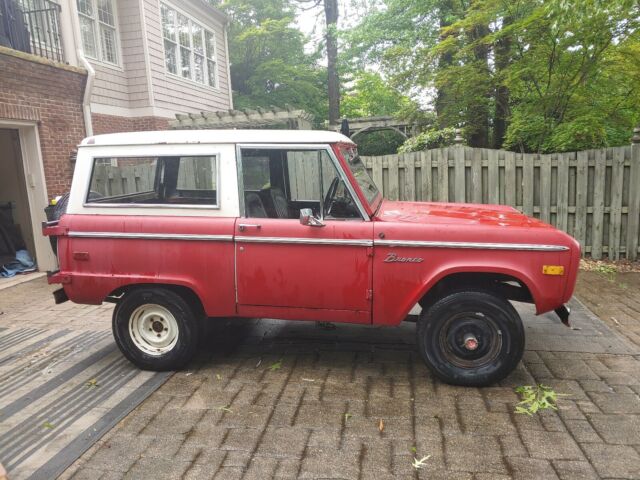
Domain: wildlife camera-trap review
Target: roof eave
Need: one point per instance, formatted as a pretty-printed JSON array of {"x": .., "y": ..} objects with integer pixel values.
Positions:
[{"x": 223, "y": 17}]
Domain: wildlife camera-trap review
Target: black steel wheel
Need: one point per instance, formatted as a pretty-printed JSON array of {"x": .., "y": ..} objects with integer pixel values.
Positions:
[{"x": 471, "y": 338}]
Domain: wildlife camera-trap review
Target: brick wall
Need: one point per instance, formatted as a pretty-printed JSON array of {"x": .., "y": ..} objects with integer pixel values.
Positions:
[
  {"x": 114, "y": 124},
  {"x": 34, "y": 89}
]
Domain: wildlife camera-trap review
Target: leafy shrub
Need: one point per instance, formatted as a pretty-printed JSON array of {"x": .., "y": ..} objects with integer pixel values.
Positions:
[{"x": 429, "y": 139}]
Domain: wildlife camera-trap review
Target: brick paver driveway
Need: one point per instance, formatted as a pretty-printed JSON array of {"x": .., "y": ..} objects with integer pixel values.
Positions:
[{"x": 273, "y": 399}]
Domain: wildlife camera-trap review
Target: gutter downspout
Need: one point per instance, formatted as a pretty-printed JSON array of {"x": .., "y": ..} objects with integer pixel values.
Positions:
[
  {"x": 91, "y": 73},
  {"x": 88, "y": 89},
  {"x": 226, "y": 47}
]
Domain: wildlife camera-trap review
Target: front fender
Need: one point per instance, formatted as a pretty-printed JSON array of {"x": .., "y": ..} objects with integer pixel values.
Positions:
[{"x": 399, "y": 287}]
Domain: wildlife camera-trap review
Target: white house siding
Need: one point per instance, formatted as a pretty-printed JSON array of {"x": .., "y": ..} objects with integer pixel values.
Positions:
[
  {"x": 172, "y": 92},
  {"x": 133, "y": 55},
  {"x": 110, "y": 86},
  {"x": 124, "y": 85}
]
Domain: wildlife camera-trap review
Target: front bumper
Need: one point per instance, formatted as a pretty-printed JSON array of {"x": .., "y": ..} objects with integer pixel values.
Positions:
[{"x": 563, "y": 312}]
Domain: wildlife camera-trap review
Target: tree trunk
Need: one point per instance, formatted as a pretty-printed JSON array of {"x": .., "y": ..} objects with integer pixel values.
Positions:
[
  {"x": 503, "y": 59},
  {"x": 444, "y": 60},
  {"x": 478, "y": 120},
  {"x": 333, "y": 82}
]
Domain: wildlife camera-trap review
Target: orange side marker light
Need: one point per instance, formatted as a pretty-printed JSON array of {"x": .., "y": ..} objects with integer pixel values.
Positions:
[{"x": 553, "y": 270}]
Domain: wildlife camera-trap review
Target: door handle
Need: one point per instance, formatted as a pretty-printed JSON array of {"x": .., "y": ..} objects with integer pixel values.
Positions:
[{"x": 242, "y": 226}]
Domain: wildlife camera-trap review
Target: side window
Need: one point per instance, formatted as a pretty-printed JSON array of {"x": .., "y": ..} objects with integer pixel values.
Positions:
[
  {"x": 279, "y": 182},
  {"x": 175, "y": 180}
]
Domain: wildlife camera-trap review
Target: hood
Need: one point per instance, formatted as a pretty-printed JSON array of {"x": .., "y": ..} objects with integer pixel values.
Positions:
[{"x": 455, "y": 213}]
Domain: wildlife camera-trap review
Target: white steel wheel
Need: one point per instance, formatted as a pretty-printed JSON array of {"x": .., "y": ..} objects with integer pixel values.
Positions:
[{"x": 153, "y": 329}]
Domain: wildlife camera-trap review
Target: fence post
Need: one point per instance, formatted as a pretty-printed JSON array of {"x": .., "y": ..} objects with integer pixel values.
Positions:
[{"x": 633, "y": 222}]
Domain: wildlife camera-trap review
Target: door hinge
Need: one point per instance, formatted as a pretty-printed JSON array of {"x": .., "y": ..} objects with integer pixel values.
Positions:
[
  {"x": 369, "y": 294},
  {"x": 370, "y": 251}
]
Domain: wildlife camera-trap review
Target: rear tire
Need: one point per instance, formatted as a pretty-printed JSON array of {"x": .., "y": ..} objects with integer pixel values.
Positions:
[
  {"x": 156, "y": 329},
  {"x": 471, "y": 338}
]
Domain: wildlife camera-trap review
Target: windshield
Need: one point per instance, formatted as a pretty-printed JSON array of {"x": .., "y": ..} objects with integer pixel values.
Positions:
[{"x": 360, "y": 173}]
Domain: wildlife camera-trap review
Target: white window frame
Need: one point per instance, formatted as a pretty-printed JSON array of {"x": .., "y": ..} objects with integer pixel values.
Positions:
[
  {"x": 178, "y": 54},
  {"x": 95, "y": 19},
  {"x": 157, "y": 206}
]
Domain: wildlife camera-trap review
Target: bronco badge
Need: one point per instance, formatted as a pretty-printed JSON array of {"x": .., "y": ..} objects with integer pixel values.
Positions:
[{"x": 392, "y": 258}]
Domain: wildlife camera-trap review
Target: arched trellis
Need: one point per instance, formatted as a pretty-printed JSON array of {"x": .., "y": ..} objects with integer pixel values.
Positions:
[
  {"x": 378, "y": 129},
  {"x": 358, "y": 126}
]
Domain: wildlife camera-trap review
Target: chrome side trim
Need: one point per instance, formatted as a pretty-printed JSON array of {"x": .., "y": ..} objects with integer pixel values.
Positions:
[
  {"x": 153, "y": 236},
  {"x": 305, "y": 241},
  {"x": 470, "y": 245},
  {"x": 151, "y": 205}
]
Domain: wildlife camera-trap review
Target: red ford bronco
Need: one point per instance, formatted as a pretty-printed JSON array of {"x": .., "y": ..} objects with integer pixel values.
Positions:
[{"x": 177, "y": 227}]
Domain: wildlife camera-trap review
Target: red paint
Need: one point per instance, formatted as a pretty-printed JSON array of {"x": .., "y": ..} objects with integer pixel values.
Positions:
[
  {"x": 204, "y": 266},
  {"x": 304, "y": 276},
  {"x": 340, "y": 283},
  {"x": 400, "y": 286}
]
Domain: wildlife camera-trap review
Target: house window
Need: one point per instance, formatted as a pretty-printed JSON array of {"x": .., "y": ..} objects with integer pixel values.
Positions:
[
  {"x": 98, "y": 29},
  {"x": 189, "y": 48}
]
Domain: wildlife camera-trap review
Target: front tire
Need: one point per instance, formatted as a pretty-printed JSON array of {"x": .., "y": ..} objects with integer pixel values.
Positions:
[
  {"x": 156, "y": 329},
  {"x": 471, "y": 338}
]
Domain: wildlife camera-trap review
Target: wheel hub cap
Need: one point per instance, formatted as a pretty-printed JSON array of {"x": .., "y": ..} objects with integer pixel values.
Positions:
[
  {"x": 157, "y": 326},
  {"x": 153, "y": 329},
  {"x": 470, "y": 342}
]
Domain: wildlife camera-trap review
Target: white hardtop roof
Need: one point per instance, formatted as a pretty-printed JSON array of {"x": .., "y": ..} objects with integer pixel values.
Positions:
[{"x": 216, "y": 136}]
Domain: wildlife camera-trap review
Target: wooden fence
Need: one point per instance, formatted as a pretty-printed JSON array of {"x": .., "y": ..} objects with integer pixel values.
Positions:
[{"x": 593, "y": 195}]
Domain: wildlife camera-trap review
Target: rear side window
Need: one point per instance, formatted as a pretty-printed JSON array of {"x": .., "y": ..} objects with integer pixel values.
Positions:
[{"x": 174, "y": 180}]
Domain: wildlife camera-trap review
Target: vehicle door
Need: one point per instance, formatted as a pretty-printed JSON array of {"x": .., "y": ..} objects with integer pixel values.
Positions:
[{"x": 322, "y": 262}]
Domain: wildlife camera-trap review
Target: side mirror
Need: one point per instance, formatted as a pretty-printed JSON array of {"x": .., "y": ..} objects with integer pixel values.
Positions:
[{"x": 307, "y": 218}]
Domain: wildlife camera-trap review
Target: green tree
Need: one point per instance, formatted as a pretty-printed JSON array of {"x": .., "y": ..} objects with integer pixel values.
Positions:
[
  {"x": 269, "y": 66},
  {"x": 573, "y": 75},
  {"x": 370, "y": 96},
  {"x": 535, "y": 75}
]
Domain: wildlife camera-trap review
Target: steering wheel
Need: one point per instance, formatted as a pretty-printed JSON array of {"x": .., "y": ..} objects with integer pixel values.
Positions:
[{"x": 330, "y": 196}]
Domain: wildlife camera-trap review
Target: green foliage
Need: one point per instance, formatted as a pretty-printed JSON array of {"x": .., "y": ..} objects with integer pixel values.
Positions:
[
  {"x": 276, "y": 366},
  {"x": 541, "y": 75},
  {"x": 606, "y": 269},
  {"x": 574, "y": 86},
  {"x": 429, "y": 139},
  {"x": 371, "y": 96},
  {"x": 269, "y": 66},
  {"x": 536, "y": 398},
  {"x": 379, "y": 142}
]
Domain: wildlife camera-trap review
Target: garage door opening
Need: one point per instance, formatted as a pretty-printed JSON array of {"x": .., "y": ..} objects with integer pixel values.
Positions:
[{"x": 21, "y": 244}]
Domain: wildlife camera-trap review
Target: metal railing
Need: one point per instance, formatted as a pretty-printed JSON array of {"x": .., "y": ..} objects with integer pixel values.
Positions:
[{"x": 32, "y": 26}]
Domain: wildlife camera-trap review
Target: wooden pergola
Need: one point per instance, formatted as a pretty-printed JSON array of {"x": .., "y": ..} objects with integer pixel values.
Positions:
[
  {"x": 372, "y": 124},
  {"x": 280, "y": 118}
]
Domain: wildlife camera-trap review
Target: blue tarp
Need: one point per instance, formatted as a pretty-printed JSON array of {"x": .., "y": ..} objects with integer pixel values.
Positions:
[{"x": 22, "y": 264}]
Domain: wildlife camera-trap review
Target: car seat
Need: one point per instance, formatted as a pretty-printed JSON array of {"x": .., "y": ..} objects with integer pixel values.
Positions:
[
  {"x": 254, "y": 206},
  {"x": 280, "y": 203}
]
